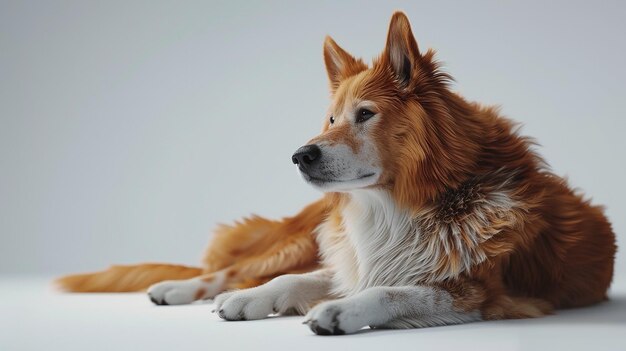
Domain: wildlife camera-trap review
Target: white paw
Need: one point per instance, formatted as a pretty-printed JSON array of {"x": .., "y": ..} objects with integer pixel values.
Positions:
[
  {"x": 255, "y": 303},
  {"x": 336, "y": 318},
  {"x": 175, "y": 292}
]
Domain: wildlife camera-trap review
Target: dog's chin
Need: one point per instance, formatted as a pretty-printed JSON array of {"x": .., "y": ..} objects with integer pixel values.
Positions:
[{"x": 341, "y": 185}]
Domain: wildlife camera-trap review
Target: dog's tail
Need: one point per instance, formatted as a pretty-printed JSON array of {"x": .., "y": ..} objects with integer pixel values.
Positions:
[{"x": 126, "y": 278}]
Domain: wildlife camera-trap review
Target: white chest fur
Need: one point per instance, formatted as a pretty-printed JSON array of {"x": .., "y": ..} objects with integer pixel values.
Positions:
[
  {"x": 380, "y": 244},
  {"x": 374, "y": 247},
  {"x": 384, "y": 239}
]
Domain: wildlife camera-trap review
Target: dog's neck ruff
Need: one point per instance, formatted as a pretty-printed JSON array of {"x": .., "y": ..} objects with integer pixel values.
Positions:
[{"x": 378, "y": 243}]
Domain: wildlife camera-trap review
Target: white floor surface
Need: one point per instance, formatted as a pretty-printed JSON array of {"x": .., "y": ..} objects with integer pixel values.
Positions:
[{"x": 35, "y": 317}]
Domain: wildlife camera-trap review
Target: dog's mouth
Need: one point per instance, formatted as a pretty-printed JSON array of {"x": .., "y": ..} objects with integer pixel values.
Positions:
[{"x": 319, "y": 181}]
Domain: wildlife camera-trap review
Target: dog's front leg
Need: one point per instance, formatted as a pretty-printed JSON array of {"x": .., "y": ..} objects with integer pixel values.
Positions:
[
  {"x": 389, "y": 307},
  {"x": 286, "y": 294}
]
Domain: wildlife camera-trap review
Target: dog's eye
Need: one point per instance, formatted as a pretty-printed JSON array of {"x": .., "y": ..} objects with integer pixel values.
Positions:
[
  {"x": 363, "y": 115},
  {"x": 332, "y": 119}
]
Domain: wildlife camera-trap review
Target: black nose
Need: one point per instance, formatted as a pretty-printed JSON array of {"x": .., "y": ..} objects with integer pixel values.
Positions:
[{"x": 306, "y": 155}]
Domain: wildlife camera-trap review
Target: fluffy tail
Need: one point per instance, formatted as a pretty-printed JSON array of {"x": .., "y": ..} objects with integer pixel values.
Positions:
[{"x": 126, "y": 278}]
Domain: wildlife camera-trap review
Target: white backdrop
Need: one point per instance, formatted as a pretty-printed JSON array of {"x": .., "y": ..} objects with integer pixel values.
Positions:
[{"x": 129, "y": 129}]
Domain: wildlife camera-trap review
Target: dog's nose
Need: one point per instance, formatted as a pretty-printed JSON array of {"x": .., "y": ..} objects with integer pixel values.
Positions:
[{"x": 305, "y": 155}]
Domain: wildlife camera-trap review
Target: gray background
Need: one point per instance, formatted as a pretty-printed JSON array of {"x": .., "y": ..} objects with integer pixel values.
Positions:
[{"x": 129, "y": 129}]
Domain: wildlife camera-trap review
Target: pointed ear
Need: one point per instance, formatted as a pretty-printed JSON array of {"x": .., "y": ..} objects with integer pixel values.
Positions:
[
  {"x": 401, "y": 51},
  {"x": 339, "y": 64}
]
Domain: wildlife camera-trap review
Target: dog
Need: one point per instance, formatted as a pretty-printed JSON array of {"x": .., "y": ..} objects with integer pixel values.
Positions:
[{"x": 436, "y": 212}]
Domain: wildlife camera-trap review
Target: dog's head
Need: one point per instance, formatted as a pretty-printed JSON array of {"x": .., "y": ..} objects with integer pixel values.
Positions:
[{"x": 386, "y": 123}]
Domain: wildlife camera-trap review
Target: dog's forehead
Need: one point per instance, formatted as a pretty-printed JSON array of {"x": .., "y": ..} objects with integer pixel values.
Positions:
[
  {"x": 349, "y": 92},
  {"x": 369, "y": 85}
]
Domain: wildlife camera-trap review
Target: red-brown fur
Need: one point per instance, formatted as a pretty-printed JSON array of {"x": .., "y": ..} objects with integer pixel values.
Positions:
[{"x": 555, "y": 251}]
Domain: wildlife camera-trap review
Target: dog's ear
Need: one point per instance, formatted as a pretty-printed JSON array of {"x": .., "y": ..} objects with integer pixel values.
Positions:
[
  {"x": 339, "y": 64},
  {"x": 401, "y": 51}
]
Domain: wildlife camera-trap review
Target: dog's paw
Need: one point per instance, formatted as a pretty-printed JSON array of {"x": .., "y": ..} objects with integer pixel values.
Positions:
[
  {"x": 175, "y": 292},
  {"x": 249, "y": 304},
  {"x": 335, "y": 318}
]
